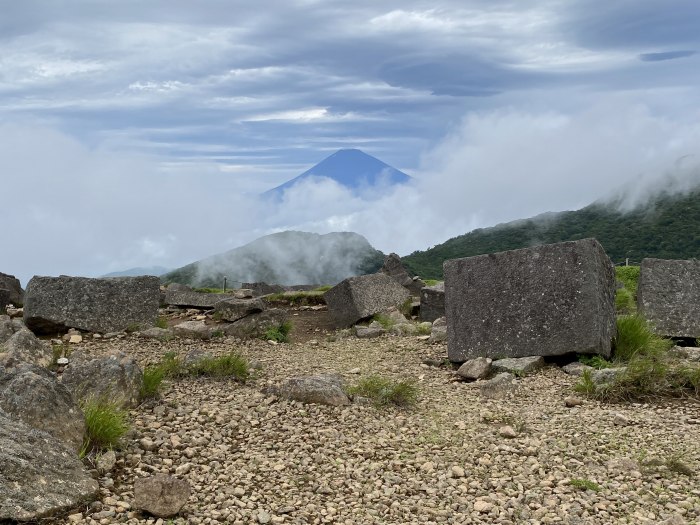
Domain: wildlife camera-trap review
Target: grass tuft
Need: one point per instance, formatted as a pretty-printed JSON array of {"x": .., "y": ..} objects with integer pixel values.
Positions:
[
  {"x": 584, "y": 484},
  {"x": 279, "y": 333},
  {"x": 105, "y": 424},
  {"x": 152, "y": 382},
  {"x": 161, "y": 322},
  {"x": 229, "y": 365},
  {"x": 595, "y": 361},
  {"x": 634, "y": 336},
  {"x": 383, "y": 320},
  {"x": 386, "y": 392}
]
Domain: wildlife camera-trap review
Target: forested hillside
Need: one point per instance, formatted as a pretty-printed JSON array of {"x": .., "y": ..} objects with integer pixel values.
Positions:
[{"x": 668, "y": 227}]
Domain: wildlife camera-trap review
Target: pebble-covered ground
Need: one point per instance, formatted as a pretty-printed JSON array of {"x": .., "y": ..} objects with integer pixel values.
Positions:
[{"x": 256, "y": 459}]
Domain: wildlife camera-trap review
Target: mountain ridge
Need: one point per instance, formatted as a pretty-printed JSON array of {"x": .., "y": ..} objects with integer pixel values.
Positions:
[{"x": 666, "y": 227}]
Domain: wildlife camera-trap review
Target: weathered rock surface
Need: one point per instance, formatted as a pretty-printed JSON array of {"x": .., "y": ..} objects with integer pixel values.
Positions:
[
  {"x": 192, "y": 330},
  {"x": 161, "y": 334},
  {"x": 432, "y": 302},
  {"x": 10, "y": 290},
  {"x": 547, "y": 300},
  {"x": 24, "y": 347},
  {"x": 668, "y": 296},
  {"x": 39, "y": 476},
  {"x": 576, "y": 368},
  {"x": 477, "y": 368},
  {"x": 324, "y": 389},
  {"x": 369, "y": 332},
  {"x": 234, "y": 309},
  {"x": 161, "y": 495},
  {"x": 607, "y": 375},
  {"x": 396, "y": 270},
  {"x": 499, "y": 386},
  {"x": 438, "y": 333},
  {"x": 255, "y": 325},
  {"x": 261, "y": 288},
  {"x": 519, "y": 366},
  {"x": 6, "y": 328},
  {"x": 116, "y": 377},
  {"x": 54, "y": 304},
  {"x": 32, "y": 394},
  {"x": 359, "y": 297},
  {"x": 188, "y": 298}
]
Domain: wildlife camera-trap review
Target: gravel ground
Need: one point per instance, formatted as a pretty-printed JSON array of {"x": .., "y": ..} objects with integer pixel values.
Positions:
[{"x": 255, "y": 459}]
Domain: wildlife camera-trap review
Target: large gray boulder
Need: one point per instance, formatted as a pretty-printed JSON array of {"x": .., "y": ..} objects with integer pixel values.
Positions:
[
  {"x": 6, "y": 328},
  {"x": 24, "y": 347},
  {"x": 394, "y": 268},
  {"x": 255, "y": 325},
  {"x": 116, "y": 377},
  {"x": 54, "y": 304},
  {"x": 234, "y": 309},
  {"x": 10, "y": 291},
  {"x": 432, "y": 302},
  {"x": 360, "y": 297},
  {"x": 188, "y": 298},
  {"x": 39, "y": 476},
  {"x": 547, "y": 300},
  {"x": 668, "y": 296},
  {"x": 32, "y": 394}
]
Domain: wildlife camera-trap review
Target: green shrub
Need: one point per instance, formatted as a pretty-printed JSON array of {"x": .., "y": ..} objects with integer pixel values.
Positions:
[
  {"x": 279, "y": 333},
  {"x": 634, "y": 336},
  {"x": 624, "y": 301},
  {"x": 385, "y": 391},
  {"x": 161, "y": 322},
  {"x": 629, "y": 277},
  {"x": 424, "y": 329},
  {"x": 152, "y": 382},
  {"x": 407, "y": 307},
  {"x": 383, "y": 320},
  {"x": 431, "y": 282},
  {"x": 323, "y": 288},
  {"x": 595, "y": 361},
  {"x": 105, "y": 423},
  {"x": 230, "y": 365},
  {"x": 584, "y": 484}
]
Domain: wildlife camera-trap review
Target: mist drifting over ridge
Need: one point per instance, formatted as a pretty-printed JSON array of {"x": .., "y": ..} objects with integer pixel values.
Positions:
[{"x": 286, "y": 258}]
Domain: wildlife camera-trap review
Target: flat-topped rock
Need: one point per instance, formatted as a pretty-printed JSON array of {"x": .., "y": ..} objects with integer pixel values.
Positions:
[
  {"x": 188, "y": 298},
  {"x": 54, "y": 304},
  {"x": 547, "y": 300},
  {"x": 668, "y": 296},
  {"x": 432, "y": 302}
]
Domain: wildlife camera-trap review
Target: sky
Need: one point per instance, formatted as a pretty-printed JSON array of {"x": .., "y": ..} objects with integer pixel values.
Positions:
[{"x": 140, "y": 133}]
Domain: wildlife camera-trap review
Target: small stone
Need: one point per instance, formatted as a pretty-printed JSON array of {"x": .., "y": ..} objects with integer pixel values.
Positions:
[
  {"x": 106, "y": 462},
  {"x": 183, "y": 469},
  {"x": 507, "y": 431},
  {"x": 75, "y": 518},
  {"x": 457, "y": 471},
  {"x": 75, "y": 339},
  {"x": 264, "y": 517},
  {"x": 483, "y": 506},
  {"x": 160, "y": 495},
  {"x": 621, "y": 420},
  {"x": 572, "y": 401},
  {"x": 354, "y": 371},
  {"x": 62, "y": 361},
  {"x": 147, "y": 445}
]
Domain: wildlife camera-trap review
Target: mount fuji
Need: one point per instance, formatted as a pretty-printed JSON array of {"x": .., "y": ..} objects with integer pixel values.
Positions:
[{"x": 352, "y": 168}]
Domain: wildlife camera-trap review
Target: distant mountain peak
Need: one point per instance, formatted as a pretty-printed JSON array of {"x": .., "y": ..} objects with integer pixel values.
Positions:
[{"x": 352, "y": 168}]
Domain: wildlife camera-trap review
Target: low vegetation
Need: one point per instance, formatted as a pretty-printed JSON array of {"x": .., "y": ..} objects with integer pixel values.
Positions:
[
  {"x": 584, "y": 484},
  {"x": 385, "y": 392},
  {"x": 300, "y": 298},
  {"x": 152, "y": 381},
  {"x": 161, "y": 322},
  {"x": 649, "y": 370},
  {"x": 279, "y": 334},
  {"x": 105, "y": 424}
]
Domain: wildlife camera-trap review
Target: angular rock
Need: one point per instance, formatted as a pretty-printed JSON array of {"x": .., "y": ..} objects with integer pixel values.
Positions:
[
  {"x": 499, "y": 386},
  {"x": 576, "y": 368},
  {"x": 395, "y": 269},
  {"x": 404, "y": 329},
  {"x": 369, "y": 332},
  {"x": 255, "y": 325},
  {"x": 432, "y": 302},
  {"x": 190, "y": 299},
  {"x": 192, "y": 330},
  {"x": 10, "y": 291},
  {"x": 54, "y": 304},
  {"x": 438, "y": 333},
  {"x": 24, "y": 347},
  {"x": 161, "y": 334},
  {"x": 234, "y": 309},
  {"x": 160, "y": 495},
  {"x": 324, "y": 389},
  {"x": 477, "y": 368},
  {"x": 668, "y": 296},
  {"x": 116, "y": 377},
  {"x": 547, "y": 300},
  {"x": 31, "y": 394},
  {"x": 360, "y": 297},
  {"x": 607, "y": 375},
  {"x": 39, "y": 476},
  {"x": 106, "y": 462},
  {"x": 259, "y": 289},
  {"x": 519, "y": 366}
]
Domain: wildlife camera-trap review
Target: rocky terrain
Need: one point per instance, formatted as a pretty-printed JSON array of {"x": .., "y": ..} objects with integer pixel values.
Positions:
[{"x": 457, "y": 456}]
